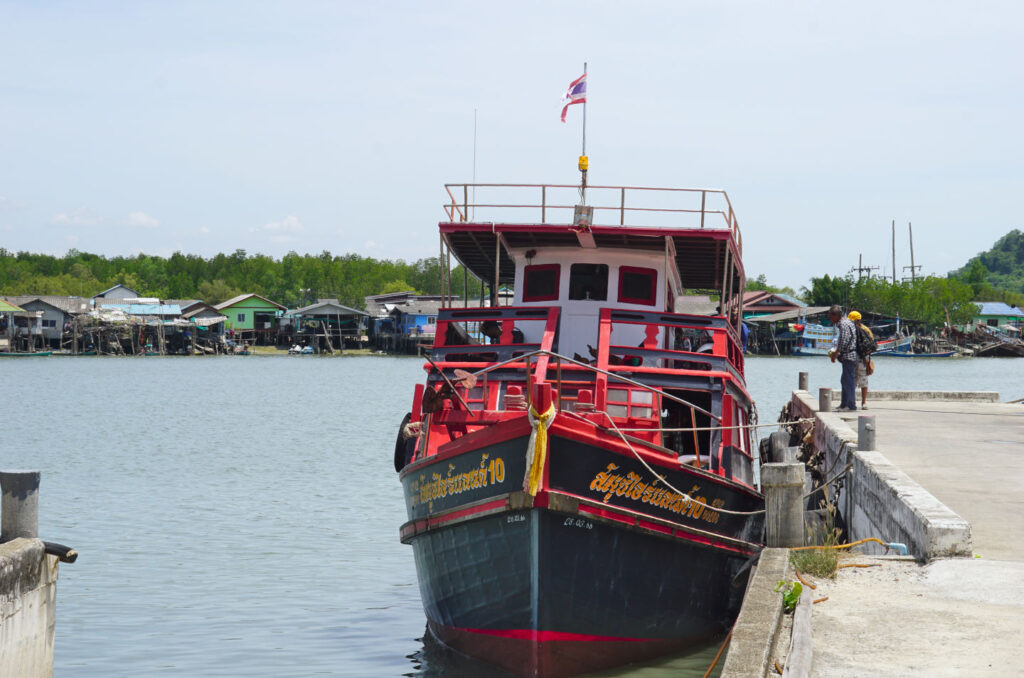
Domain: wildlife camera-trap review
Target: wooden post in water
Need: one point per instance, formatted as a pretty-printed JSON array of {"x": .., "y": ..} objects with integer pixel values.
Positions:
[
  {"x": 803, "y": 381},
  {"x": 783, "y": 486}
]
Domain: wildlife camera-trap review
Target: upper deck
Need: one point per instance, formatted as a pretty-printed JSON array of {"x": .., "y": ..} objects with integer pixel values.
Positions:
[{"x": 697, "y": 228}]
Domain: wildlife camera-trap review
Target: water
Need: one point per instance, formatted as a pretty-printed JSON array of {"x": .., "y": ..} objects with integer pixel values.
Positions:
[{"x": 239, "y": 515}]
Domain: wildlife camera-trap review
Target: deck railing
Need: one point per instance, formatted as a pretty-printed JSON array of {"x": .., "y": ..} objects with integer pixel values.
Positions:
[{"x": 638, "y": 206}]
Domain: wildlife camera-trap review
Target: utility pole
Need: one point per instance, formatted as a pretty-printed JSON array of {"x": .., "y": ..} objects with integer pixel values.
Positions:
[
  {"x": 913, "y": 268},
  {"x": 861, "y": 268},
  {"x": 893, "y": 251}
]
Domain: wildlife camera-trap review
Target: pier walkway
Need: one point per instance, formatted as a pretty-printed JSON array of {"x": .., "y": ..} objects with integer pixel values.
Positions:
[{"x": 952, "y": 616}]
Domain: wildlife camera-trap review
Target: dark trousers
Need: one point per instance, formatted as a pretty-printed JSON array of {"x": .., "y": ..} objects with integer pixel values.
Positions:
[{"x": 849, "y": 383}]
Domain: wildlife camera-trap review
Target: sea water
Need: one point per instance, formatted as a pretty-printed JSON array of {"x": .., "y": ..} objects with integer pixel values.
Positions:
[{"x": 238, "y": 516}]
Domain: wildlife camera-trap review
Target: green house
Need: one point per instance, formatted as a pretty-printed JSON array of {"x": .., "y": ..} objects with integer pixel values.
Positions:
[
  {"x": 251, "y": 313},
  {"x": 998, "y": 314}
]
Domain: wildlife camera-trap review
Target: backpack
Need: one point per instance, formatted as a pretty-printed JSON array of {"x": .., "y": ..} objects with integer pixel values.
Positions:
[{"x": 866, "y": 344}]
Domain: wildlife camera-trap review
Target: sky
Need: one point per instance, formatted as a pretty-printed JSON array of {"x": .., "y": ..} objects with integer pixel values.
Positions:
[{"x": 206, "y": 127}]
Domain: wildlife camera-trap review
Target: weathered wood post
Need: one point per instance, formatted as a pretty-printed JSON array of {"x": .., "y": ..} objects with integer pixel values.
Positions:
[
  {"x": 783, "y": 486},
  {"x": 19, "y": 507},
  {"x": 866, "y": 432},
  {"x": 803, "y": 381},
  {"x": 824, "y": 399}
]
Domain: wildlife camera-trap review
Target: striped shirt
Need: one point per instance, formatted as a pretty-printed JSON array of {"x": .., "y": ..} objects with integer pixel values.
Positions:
[{"x": 846, "y": 343}]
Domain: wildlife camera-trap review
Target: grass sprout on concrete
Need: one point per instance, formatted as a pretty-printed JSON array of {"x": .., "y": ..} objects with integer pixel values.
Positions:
[{"x": 824, "y": 561}]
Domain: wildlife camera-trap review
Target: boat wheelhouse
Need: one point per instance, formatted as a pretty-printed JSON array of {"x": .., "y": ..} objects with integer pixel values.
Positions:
[{"x": 577, "y": 467}]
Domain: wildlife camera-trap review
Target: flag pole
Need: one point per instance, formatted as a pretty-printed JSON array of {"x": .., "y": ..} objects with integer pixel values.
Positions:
[
  {"x": 584, "y": 115},
  {"x": 584, "y": 163}
]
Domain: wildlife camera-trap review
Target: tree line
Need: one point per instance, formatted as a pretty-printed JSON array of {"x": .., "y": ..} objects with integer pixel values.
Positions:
[{"x": 294, "y": 280}]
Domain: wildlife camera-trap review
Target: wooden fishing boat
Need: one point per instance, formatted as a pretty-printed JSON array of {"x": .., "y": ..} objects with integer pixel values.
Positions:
[
  {"x": 32, "y": 354},
  {"x": 577, "y": 467}
]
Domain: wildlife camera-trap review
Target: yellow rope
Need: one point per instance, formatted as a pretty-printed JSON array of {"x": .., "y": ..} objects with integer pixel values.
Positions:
[
  {"x": 538, "y": 447},
  {"x": 842, "y": 546}
]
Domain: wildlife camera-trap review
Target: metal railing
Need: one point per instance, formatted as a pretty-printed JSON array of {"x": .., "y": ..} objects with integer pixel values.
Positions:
[{"x": 714, "y": 209}]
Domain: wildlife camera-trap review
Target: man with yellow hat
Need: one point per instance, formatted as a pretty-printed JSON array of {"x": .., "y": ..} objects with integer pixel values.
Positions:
[{"x": 865, "y": 366}]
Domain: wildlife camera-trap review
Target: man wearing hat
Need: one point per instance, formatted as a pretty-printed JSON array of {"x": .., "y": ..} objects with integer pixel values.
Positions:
[
  {"x": 846, "y": 352},
  {"x": 863, "y": 363}
]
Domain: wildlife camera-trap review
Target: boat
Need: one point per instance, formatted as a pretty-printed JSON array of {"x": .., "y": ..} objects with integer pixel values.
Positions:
[
  {"x": 819, "y": 339},
  {"x": 909, "y": 354},
  {"x": 32, "y": 354},
  {"x": 577, "y": 466},
  {"x": 815, "y": 340}
]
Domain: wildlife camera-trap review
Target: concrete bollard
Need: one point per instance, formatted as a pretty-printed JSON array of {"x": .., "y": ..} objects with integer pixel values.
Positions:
[
  {"x": 866, "y": 432},
  {"x": 803, "y": 381},
  {"x": 824, "y": 399},
  {"x": 19, "y": 507},
  {"x": 783, "y": 486}
]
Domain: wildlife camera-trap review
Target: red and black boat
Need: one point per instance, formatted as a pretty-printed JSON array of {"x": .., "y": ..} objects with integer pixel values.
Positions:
[{"x": 577, "y": 467}]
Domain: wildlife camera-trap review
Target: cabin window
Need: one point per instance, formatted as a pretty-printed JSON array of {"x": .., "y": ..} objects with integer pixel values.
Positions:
[
  {"x": 634, "y": 403},
  {"x": 588, "y": 281},
  {"x": 540, "y": 283},
  {"x": 241, "y": 317},
  {"x": 637, "y": 285}
]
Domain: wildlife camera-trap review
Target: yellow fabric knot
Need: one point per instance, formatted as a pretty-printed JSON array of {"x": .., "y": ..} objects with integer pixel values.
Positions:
[{"x": 537, "y": 448}]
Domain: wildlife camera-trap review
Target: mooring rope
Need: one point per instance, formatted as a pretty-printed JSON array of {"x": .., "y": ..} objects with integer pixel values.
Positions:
[
  {"x": 718, "y": 428},
  {"x": 654, "y": 473}
]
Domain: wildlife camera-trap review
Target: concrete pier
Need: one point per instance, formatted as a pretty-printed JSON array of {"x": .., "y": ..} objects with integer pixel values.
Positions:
[
  {"x": 28, "y": 580},
  {"x": 948, "y": 474}
]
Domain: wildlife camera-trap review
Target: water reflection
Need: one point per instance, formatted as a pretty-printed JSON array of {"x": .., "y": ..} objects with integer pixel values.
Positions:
[{"x": 436, "y": 660}]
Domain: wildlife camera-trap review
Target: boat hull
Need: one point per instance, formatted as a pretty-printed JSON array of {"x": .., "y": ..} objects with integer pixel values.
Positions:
[{"x": 575, "y": 579}]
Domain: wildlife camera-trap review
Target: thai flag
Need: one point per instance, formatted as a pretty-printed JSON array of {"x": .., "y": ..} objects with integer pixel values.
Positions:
[{"x": 576, "y": 94}]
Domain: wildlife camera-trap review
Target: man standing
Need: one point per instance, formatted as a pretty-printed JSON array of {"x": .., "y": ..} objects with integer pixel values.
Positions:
[
  {"x": 846, "y": 352},
  {"x": 865, "y": 346}
]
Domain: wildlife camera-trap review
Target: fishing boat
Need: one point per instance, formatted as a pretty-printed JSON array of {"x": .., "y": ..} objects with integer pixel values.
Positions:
[
  {"x": 911, "y": 354},
  {"x": 577, "y": 466},
  {"x": 820, "y": 339},
  {"x": 30, "y": 354}
]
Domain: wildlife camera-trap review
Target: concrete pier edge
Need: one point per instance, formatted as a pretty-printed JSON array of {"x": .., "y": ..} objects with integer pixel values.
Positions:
[
  {"x": 888, "y": 502},
  {"x": 757, "y": 626}
]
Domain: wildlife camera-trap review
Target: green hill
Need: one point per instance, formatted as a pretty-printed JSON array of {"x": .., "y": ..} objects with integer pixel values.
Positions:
[{"x": 998, "y": 274}]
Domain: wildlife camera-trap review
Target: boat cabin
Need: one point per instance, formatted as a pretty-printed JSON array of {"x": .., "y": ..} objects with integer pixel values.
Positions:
[{"x": 593, "y": 316}]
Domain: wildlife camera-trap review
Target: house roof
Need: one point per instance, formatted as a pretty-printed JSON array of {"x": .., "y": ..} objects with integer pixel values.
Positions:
[
  {"x": 788, "y": 315},
  {"x": 242, "y": 297},
  {"x": 185, "y": 304},
  {"x": 378, "y": 305},
  {"x": 8, "y": 307},
  {"x": 146, "y": 309},
  {"x": 997, "y": 308},
  {"x": 198, "y": 309},
  {"x": 111, "y": 289},
  {"x": 69, "y": 305},
  {"x": 419, "y": 308},
  {"x": 328, "y": 306},
  {"x": 765, "y": 300}
]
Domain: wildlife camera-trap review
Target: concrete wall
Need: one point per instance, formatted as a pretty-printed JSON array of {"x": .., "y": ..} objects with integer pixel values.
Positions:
[
  {"x": 757, "y": 627},
  {"x": 877, "y": 499},
  {"x": 28, "y": 609}
]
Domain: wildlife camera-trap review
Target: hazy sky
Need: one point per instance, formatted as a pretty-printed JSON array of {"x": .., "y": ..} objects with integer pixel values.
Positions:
[{"x": 276, "y": 126}]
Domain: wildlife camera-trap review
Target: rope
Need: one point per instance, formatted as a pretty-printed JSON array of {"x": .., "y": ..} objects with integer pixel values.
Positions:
[
  {"x": 829, "y": 482},
  {"x": 537, "y": 448},
  {"x": 655, "y": 473},
  {"x": 718, "y": 656},
  {"x": 842, "y": 546},
  {"x": 720, "y": 428}
]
